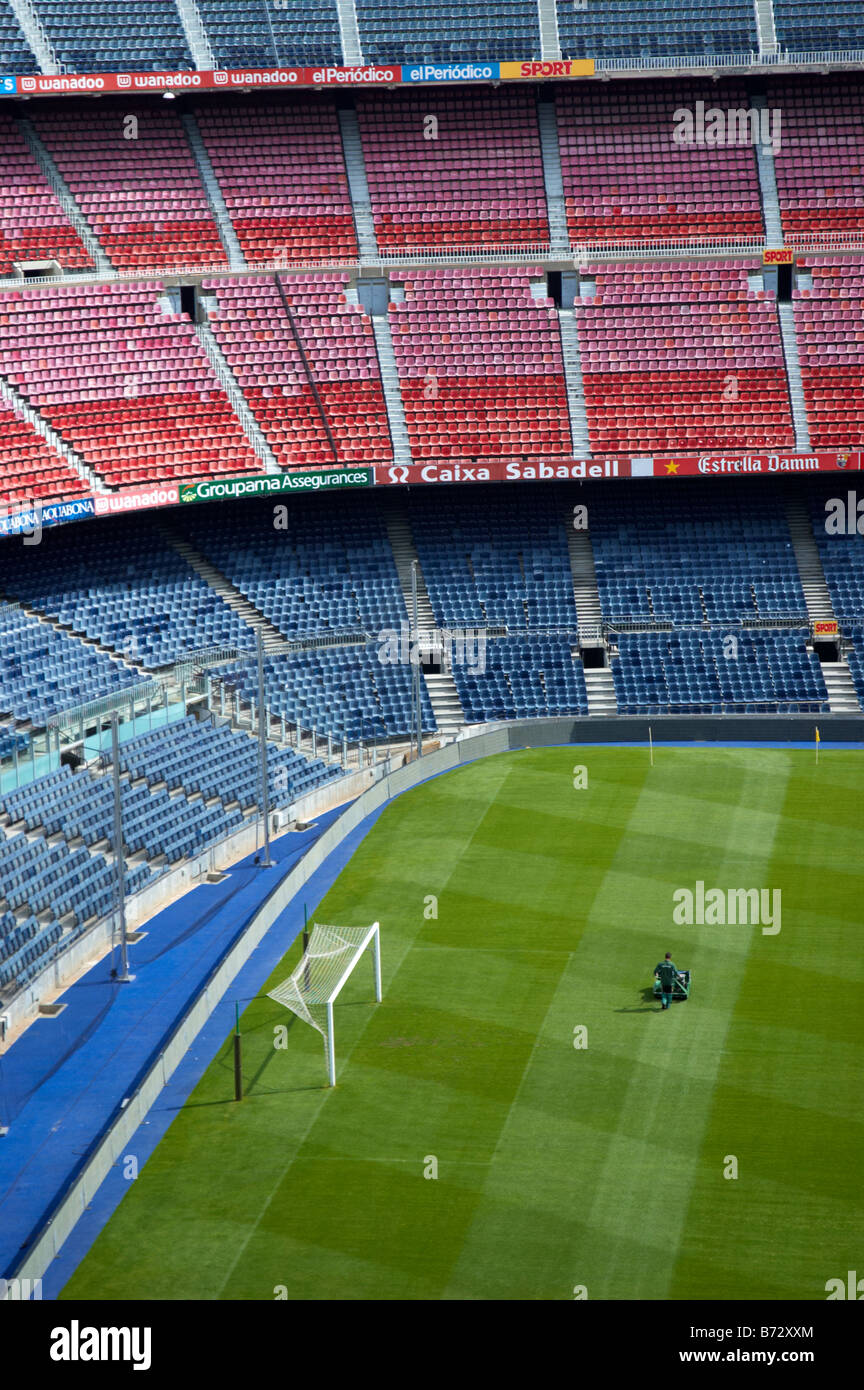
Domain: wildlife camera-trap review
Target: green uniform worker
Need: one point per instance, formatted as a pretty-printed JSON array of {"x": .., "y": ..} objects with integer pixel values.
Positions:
[{"x": 668, "y": 972}]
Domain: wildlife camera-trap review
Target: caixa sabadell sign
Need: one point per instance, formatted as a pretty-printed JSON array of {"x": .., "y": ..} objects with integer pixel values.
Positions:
[{"x": 275, "y": 484}]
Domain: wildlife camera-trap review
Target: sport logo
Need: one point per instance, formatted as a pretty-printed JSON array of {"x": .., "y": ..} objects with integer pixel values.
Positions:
[{"x": 77, "y": 1343}]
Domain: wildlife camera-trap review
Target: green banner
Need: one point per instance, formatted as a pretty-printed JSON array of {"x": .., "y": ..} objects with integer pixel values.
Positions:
[{"x": 275, "y": 484}]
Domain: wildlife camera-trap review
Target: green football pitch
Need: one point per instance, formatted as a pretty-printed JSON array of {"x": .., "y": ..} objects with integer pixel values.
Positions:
[{"x": 518, "y": 1119}]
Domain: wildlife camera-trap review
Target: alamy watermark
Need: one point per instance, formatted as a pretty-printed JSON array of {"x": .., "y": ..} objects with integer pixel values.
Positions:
[
  {"x": 713, "y": 127},
  {"x": 720, "y": 907},
  {"x": 449, "y": 647}
]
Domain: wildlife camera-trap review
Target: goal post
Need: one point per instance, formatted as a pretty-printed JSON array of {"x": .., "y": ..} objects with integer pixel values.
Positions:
[{"x": 327, "y": 963}]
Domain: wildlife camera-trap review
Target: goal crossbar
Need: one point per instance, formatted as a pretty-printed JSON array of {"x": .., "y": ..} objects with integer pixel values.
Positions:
[{"x": 314, "y": 986}]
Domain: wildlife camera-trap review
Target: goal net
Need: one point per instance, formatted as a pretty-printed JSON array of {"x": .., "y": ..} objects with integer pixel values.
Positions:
[{"x": 311, "y": 991}]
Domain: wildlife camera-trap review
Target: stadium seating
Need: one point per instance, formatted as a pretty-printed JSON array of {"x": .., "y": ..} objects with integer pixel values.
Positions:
[
  {"x": 682, "y": 357},
  {"x": 330, "y": 569},
  {"x": 842, "y": 555},
  {"x": 99, "y": 36},
  {"x": 524, "y": 678},
  {"x": 298, "y": 207},
  {"x": 33, "y": 226},
  {"x": 44, "y": 671},
  {"x": 690, "y": 672},
  {"x": 257, "y": 338},
  {"x": 131, "y": 592},
  {"x": 619, "y": 29},
  {"x": 259, "y": 33},
  {"x": 475, "y": 176},
  {"x": 16, "y": 54},
  {"x": 488, "y": 563},
  {"x": 30, "y": 471},
  {"x": 447, "y": 32},
  {"x": 480, "y": 365},
  {"x": 829, "y": 320},
  {"x": 625, "y": 178},
  {"x": 123, "y": 380},
  {"x": 132, "y": 172},
  {"x": 201, "y": 759},
  {"x": 803, "y": 24},
  {"x": 348, "y": 692},
  {"x": 708, "y": 552},
  {"x": 820, "y": 161}
]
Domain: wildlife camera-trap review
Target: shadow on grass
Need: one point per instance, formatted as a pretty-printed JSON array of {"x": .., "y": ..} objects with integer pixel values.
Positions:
[{"x": 648, "y": 997}]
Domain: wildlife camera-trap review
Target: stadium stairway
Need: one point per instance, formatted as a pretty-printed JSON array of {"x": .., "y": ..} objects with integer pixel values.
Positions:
[
  {"x": 64, "y": 195},
  {"x": 559, "y": 236},
  {"x": 216, "y": 201},
  {"x": 585, "y": 590},
  {"x": 349, "y": 33},
  {"x": 392, "y": 389},
  {"x": 274, "y": 640},
  {"x": 819, "y": 605},
  {"x": 239, "y": 404},
  {"x": 355, "y": 167},
  {"x": 34, "y": 32},
  {"x": 786, "y": 316},
  {"x": 446, "y": 705},
  {"x": 550, "y": 43},
  {"x": 575, "y": 386},
  {"x": 600, "y": 689},
  {"x": 842, "y": 698},
  {"x": 196, "y": 36},
  {"x": 768, "y": 184},
  {"x": 766, "y": 27}
]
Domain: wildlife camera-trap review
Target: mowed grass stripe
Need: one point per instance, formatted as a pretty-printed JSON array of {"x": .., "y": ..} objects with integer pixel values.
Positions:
[
  {"x": 790, "y": 1094},
  {"x": 608, "y": 1127}
]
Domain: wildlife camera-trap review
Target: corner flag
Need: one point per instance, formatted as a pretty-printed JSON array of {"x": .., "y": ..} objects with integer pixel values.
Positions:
[{"x": 818, "y": 741}]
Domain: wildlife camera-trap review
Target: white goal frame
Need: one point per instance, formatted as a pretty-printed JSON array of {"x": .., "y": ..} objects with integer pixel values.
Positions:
[{"x": 291, "y": 995}]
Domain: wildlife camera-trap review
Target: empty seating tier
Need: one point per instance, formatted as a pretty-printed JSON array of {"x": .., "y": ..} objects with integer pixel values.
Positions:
[
  {"x": 457, "y": 170},
  {"x": 298, "y": 206},
  {"x": 260, "y": 342},
  {"x": 480, "y": 365},
  {"x": 124, "y": 380},
  {"x": 625, "y": 178},
  {"x": 134, "y": 177},
  {"x": 682, "y": 357}
]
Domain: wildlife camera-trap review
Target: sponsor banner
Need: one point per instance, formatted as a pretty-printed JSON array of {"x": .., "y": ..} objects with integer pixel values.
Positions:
[
  {"x": 136, "y": 499},
  {"x": 451, "y": 72},
  {"x": 275, "y": 484},
  {"x": 235, "y": 79},
  {"x": 824, "y": 627},
  {"x": 66, "y": 84},
  {"x": 781, "y": 256},
  {"x": 501, "y": 471},
  {"x": 565, "y": 67},
  {"x": 734, "y": 465},
  {"x": 51, "y": 514}
]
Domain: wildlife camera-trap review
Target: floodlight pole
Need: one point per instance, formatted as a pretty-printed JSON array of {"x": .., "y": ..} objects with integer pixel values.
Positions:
[
  {"x": 119, "y": 862},
  {"x": 262, "y": 739}
]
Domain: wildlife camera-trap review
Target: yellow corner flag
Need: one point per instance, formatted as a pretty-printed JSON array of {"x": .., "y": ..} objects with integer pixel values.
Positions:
[{"x": 818, "y": 741}]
